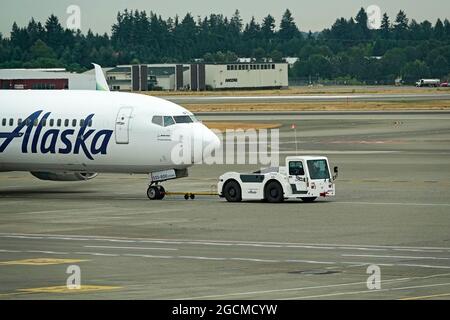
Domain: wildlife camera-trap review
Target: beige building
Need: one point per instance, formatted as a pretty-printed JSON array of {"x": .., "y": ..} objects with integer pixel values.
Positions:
[
  {"x": 247, "y": 75},
  {"x": 198, "y": 76}
]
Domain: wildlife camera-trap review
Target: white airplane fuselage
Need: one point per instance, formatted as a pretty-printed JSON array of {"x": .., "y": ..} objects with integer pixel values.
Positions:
[{"x": 93, "y": 131}]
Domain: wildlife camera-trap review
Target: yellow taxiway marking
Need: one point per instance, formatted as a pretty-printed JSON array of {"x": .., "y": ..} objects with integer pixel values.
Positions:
[
  {"x": 10, "y": 294},
  {"x": 426, "y": 297},
  {"x": 65, "y": 289},
  {"x": 40, "y": 261}
]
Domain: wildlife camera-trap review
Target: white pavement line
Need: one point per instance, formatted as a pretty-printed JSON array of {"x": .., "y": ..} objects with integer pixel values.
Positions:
[
  {"x": 234, "y": 259},
  {"x": 399, "y": 257},
  {"x": 418, "y": 250},
  {"x": 218, "y": 242},
  {"x": 10, "y": 251},
  {"x": 147, "y": 256},
  {"x": 395, "y": 203},
  {"x": 134, "y": 248},
  {"x": 46, "y": 252},
  {"x": 202, "y": 258},
  {"x": 253, "y": 260},
  {"x": 310, "y": 247},
  {"x": 335, "y": 152},
  {"x": 362, "y": 249},
  {"x": 23, "y": 237},
  {"x": 287, "y": 289},
  {"x": 67, "y": 238},
  {"x": 311, "y": 261},
  {"x": 367, "y": 291},
  {"x": 397, "y": 264},
  {"x": 98, "y": 254},
  {"x": 196, "y": 243}
]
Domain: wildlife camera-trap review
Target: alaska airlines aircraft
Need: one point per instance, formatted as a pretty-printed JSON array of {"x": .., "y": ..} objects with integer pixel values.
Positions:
[{"x": 64, "y": 135}]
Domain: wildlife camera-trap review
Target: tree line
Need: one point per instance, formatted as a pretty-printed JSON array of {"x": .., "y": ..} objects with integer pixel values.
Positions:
[{"x": 349, "y": 49}]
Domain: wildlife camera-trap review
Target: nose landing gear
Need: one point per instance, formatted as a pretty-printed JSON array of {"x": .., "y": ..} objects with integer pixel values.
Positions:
[{"x": 156, "y": 192}]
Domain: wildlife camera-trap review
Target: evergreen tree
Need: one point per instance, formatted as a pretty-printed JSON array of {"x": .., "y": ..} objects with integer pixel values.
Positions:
[
  {"x": 341, "y": 51},
  {"x": 362, "y": 28},
  {"x": 268, "y": 27},
  {"x": 439, "y": 31},
  {"x": 288, "y": 29},
  {"x": 401, "y": 25},
  {"x": 385, "y": 26}
]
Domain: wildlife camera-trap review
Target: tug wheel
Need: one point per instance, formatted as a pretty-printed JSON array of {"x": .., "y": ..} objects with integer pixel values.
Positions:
[{"x": 232, "y": 191}]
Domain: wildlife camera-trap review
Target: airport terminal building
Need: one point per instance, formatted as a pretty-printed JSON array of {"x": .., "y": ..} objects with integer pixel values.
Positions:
[{"x": 198, "y": 76}]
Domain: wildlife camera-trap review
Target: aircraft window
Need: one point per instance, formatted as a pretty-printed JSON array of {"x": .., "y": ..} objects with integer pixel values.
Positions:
[
  {"x": 158, "y": 120},
  {"x": 74, "y": 122},
  {"x": 4, "y": 122},
  {"x": 11, "y": 122},
  {"x": 43, "y": 122},
  {"x": 19, "y": 122},
  {"x": 66, "y": 122},
  {"x": 28, "y": 121},
  {"x": 58, "y": 123},
  {"x": 168, "y": 121},
  {"x": 182, "y": 119},
  {"x": 36, "y": 122},
  {"x": 90, "y": 123},
  {"x": 51, "y": 122},
  {"x": 81, "y": 122}
]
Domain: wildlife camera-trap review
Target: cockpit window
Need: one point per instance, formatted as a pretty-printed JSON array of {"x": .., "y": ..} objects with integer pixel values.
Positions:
[
  {"x": 165, "y": 121},
  {"x": 183, "y": 119},
  {"x": 158, "y": 120},
  {"x": 168, "y": 121}
]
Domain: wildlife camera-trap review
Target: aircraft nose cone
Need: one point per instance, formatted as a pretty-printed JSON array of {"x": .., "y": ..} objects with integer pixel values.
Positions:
[
  {"x": 210, "y": 140},
  {"x": 204, "y": 143}
]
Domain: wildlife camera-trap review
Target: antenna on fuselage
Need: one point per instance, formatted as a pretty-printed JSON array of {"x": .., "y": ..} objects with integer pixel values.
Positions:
[{"x": 100, "y": 80}]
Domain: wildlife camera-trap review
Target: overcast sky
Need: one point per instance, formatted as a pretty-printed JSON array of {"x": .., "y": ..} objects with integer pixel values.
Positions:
[{"x": 313, "y": 15}]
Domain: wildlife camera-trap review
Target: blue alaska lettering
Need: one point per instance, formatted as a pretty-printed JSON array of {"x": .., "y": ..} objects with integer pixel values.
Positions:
[{"x": 86, "y": 141}]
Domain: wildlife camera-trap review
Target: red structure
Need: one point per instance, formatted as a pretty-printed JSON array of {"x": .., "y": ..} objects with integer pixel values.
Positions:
[{"x": 34, "y": 84}]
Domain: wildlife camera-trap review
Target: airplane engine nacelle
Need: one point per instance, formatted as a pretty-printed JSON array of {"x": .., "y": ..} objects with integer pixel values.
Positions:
[{"x": 64, "y": 176}]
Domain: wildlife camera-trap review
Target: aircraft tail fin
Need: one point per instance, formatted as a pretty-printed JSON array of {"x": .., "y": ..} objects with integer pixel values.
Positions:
[{"x": 100, "y": 80}]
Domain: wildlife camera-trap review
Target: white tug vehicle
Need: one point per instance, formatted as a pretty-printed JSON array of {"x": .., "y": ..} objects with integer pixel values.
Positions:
[{"x": 303, "y": 177}]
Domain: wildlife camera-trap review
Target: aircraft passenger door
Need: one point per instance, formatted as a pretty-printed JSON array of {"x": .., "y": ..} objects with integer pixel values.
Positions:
[{"x": 123, "y": 125}]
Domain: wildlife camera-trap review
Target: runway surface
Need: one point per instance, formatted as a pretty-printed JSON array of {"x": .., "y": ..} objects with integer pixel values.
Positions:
[
  {"x": 307, "y": 98},
  {"x": 391, "y": 210}
]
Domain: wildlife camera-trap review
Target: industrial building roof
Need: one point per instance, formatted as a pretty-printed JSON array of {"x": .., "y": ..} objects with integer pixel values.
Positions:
[{"x": 11, "y": 74}]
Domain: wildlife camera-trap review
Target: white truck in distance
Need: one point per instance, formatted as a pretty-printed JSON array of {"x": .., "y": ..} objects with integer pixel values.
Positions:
[
  {"x": 303, "y": 177},
  {"x": 428, "y": 83}
]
